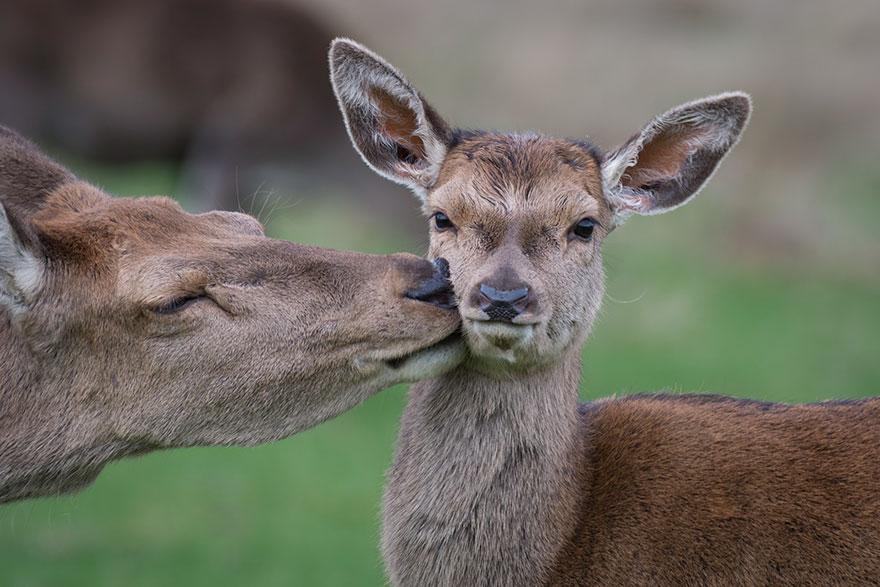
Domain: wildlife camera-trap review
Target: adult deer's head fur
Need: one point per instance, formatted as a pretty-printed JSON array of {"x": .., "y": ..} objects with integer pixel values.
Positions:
[
  {"x": 136, "y": 322},
  {"x": 521, "y": 217}
]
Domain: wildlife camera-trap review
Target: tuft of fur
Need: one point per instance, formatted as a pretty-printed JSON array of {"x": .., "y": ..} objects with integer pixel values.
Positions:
[{"x": 20, "y": 272}]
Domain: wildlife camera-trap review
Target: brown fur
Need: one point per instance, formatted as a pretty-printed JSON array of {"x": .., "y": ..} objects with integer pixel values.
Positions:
[
  {"x": 501, "y": 478},
  {"x": 707, "y": 490},
  {"x": 97, "y": 362},
  {"x": 397, "y": 122}
]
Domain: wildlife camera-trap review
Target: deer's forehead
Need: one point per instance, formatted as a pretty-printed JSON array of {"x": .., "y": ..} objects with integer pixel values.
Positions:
[
  {"x": 531, "y": 178},
  {"x": 161, "y": 221},
  {"x": 83, "y": 226}
]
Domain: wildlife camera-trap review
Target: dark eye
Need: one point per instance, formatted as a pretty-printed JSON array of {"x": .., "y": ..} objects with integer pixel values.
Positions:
[
  {"x": 584, "y": 228},
  {"x": 178, "y": 304},
  {"x": 442, "y": 221}
]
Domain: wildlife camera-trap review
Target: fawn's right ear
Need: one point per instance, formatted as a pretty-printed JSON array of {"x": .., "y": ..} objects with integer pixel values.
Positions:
[{"x": 396, "y": 132}]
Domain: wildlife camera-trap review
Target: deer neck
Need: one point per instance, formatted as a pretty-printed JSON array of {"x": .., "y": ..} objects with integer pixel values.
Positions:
[
  {"x": 485, "y": 479},
  {"x": 49, "y": 442}
]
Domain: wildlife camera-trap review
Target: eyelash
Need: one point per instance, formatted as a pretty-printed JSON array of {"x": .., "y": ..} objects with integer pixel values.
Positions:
[{"x": 178, "y": 304}]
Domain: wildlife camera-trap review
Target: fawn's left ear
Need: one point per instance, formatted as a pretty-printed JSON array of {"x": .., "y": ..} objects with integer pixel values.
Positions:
[
  {"x": 672, "y": 158},
  {"x": 396, "y": 132}
]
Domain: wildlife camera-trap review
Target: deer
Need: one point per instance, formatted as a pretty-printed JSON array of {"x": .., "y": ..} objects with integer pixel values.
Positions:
[
  {"x": 233, "y": 90},
  {"x": 500, "y": 475},
  {"x": 128, "y": 325}
]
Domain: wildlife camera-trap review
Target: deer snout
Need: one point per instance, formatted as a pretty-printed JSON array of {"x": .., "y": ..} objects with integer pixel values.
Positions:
[
  {"x": 435, "y": 289},
  {"x": 502, "y": 305},
  {"x": 502, "y": 296}
]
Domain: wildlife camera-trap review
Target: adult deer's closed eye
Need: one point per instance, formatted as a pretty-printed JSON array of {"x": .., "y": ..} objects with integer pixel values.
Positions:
[{"x": 176, "y": 304}]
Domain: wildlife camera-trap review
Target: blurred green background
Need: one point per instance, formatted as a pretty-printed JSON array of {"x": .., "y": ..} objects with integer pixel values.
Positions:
[{"x": 766, "y": 286}]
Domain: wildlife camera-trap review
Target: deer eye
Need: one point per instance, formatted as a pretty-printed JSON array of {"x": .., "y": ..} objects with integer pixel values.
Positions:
[
  {"x": 178, "y": 303},
  {"x": 442, "y": 221},
  {"x": 584, "y": 229}
]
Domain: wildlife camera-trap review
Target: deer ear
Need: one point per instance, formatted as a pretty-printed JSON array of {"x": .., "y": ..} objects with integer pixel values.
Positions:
[
  {"x": 27, "y": 177},
  {"x": 21, "y": 272},
  {"x": 395, "y": 131},
  {"x": 674, "y": 155}
]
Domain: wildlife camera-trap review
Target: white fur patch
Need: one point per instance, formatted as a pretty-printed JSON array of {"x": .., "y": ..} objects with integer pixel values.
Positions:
[{"x": 21, "y": 274}]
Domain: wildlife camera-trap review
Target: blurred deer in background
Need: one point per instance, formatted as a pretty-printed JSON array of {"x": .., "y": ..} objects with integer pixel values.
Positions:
[
  {"x": 128, "y": 325},
  {"x": 501, "y": 477},
  {"x": 235, "y": 89}
]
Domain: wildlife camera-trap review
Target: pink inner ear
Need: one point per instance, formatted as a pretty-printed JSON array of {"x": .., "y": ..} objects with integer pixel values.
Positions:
[
  {"x": 663, "y": 156},
  {"x": 398, "y": 121}
]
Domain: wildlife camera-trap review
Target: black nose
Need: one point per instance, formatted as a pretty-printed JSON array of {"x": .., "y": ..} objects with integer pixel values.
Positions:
[
  {"x": 503, "y": 304},
  {"x": 436, "y": 289}
]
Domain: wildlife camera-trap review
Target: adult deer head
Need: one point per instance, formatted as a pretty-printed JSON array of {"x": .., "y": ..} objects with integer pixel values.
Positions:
[{"x": 128, "y": 325}]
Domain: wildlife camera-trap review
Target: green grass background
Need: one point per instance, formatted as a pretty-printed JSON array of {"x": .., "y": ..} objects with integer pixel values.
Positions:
[{"x": 685, "y": 311}]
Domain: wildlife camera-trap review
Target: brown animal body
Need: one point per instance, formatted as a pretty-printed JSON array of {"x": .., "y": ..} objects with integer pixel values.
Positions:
[
  {"x": 500, "y": 476},
  {"x": 709, "y": 490},
  {"x": 128, "y": 325}
]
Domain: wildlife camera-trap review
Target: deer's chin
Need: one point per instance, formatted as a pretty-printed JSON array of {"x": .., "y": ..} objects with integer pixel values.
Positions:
[
  {"x": 501, "y": 342},
  {"x": 414, "y": 361}
]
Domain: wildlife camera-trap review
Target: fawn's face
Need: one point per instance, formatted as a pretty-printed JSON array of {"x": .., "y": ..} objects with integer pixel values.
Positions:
[{"x": 521, "y": 217}]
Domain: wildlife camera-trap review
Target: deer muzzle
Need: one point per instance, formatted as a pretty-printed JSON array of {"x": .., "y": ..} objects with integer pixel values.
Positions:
[{"x": 437, "y": 289}]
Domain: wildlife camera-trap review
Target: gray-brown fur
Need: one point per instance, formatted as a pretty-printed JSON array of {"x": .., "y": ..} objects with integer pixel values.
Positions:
[
  {"x": 96, "y": 363},
  {"x": 502, "y": 478}
]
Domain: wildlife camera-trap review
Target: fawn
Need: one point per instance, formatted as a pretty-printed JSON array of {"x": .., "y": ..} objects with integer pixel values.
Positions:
[{"x": 500, "y": 476}]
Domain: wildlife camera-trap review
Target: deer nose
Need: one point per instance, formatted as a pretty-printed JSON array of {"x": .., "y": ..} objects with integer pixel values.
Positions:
[
  {"x": 503, "y": 304},
  {"x": 436, "y": 289}
]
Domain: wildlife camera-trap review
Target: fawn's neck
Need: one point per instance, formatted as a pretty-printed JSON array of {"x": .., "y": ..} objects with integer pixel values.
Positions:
[{"x": 486, "y": 477}]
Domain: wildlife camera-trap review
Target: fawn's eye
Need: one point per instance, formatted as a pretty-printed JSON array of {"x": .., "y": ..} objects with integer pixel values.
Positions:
[
  {"x": 442, "y": 221},
  {"x": 179, "y": 303},
  {"x": 584, "y": 229}
]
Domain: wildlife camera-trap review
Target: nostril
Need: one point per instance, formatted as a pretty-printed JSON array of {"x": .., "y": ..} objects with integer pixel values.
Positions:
[
  {"x": 441, "y": 266},
  {"x": 436, "y": 289},
  {"x": 507, "y": 296}
]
